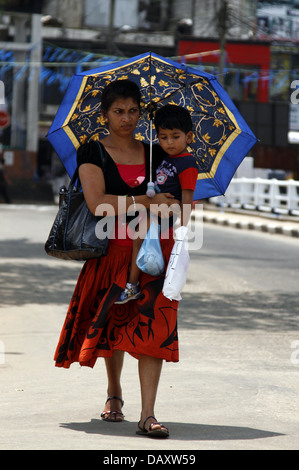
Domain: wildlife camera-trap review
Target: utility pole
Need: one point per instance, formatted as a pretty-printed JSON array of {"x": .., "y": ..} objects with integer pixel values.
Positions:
[
  {"x": 18, "y": 106},
  {"x": 25, "y": 100},
  {"x": 223, "y": 26}
]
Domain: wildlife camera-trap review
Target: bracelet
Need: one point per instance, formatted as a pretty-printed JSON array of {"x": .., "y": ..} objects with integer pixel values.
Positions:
[{"x": 134, "y": 203}]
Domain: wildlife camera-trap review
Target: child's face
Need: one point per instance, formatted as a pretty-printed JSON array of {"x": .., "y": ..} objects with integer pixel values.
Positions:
[{"x": 174, "y": 141}]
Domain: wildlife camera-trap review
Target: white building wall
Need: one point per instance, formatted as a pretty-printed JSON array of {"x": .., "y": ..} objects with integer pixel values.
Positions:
[
  {"x": 182, "y": 9},
  {"x": 96, "y": 13},
  {"x": 69, "y": 11},
  {"x": 206, "y": 16}
]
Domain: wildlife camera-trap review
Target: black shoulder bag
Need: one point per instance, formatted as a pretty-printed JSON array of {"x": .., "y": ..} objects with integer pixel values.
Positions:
[{"x": 73, "y": 234}]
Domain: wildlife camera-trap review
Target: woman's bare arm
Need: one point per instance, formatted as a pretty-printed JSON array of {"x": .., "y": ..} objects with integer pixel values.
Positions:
[{"x": 94, "y": 190}]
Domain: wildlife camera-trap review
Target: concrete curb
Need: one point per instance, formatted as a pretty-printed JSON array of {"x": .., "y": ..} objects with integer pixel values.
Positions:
[{"x": 230, "y": 220}]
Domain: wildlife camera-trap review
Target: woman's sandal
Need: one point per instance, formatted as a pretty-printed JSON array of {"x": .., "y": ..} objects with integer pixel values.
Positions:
[
  {"x": 150, "y": 432},
  {"x": 113, "y": 416}
]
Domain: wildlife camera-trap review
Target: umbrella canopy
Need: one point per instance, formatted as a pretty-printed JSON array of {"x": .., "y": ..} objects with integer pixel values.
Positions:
[{"x": 221, "y": 136}]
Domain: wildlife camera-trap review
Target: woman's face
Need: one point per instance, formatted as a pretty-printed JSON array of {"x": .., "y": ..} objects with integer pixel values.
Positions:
[{"x": 122, "y": 116}]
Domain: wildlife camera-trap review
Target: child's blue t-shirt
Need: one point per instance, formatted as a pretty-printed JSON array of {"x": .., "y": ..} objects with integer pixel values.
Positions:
[{"x": 177, "y": 173}]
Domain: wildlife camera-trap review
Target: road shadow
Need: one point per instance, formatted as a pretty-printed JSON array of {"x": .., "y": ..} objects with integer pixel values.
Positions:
[
  {"x": 178, "y": 431},
  {"x": 34, "y": 277},
  {"x": 21, "y": 248},
  {"x": 268, "y": 311}
]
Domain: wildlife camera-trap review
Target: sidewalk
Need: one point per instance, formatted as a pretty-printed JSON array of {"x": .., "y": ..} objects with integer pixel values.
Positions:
[{"x": 251, "y": 220}]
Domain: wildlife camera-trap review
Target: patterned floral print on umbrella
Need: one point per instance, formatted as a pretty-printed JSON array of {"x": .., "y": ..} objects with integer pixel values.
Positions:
[{"x": 222, "y": 139}]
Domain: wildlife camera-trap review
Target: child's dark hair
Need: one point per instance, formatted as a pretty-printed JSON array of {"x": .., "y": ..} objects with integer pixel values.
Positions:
[
  {"x": 172, "y": 116},
  {"x": 120, "y": 89}
]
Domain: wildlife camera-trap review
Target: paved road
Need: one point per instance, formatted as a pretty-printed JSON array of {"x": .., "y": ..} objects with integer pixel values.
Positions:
[{"x": 236, "y": 385}]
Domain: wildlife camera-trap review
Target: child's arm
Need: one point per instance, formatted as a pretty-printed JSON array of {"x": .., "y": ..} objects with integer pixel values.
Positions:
[{"x": 186, "y": 206}]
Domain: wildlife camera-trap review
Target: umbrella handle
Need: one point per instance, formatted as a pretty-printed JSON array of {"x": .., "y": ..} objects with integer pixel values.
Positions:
[
  {"x": 151, "y": 149},
  {"x": 150, "y": 185},
  {"x": 150, "y": 192}
]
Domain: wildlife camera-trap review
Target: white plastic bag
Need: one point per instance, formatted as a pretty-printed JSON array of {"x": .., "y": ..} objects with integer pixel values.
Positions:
[{"x": 177, "y": 268}]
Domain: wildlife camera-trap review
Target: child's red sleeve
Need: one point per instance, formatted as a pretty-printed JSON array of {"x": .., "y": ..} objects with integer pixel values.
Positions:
[{"x": 188, "y": 178}]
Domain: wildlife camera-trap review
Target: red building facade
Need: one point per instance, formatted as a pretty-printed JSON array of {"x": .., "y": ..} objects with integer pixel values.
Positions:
[{"x": 248, "y": 55}]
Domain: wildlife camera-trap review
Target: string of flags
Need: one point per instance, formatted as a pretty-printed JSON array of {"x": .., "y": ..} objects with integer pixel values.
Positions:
[{"x": 59, "y": 64}]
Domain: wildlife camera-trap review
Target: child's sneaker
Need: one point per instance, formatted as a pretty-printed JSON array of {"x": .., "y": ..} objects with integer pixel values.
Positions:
[{"x": 131, "y": 292}]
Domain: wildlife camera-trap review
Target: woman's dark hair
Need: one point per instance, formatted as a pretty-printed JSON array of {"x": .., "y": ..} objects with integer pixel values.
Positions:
[
  {"x": 120, "y": 89},
  {"x": 172, "y": 116}
]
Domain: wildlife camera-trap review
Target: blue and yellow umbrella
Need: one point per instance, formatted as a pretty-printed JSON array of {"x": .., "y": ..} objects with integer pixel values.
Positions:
[{"x": 222, "y": 139}]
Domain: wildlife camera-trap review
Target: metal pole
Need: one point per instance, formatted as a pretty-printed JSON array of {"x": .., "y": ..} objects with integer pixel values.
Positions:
[{"x": 33, "y": 85}]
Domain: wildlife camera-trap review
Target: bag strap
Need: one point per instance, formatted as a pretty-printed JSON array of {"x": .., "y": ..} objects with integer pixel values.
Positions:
[{"x": 103, "y": 157}]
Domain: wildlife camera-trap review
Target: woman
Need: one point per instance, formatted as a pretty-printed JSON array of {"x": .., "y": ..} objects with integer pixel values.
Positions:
[{"x": 95, "y": 326}]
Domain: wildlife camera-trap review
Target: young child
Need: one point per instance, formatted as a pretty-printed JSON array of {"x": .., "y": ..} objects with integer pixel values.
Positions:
[{"x": 177, "y": 174}]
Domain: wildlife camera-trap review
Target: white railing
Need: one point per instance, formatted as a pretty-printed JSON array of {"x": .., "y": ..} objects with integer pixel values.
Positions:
[{"x": 270, "y": 195}]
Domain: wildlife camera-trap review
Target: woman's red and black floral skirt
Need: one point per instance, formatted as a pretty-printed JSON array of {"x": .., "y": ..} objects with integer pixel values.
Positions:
[{"x": 95, "y": 326}]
